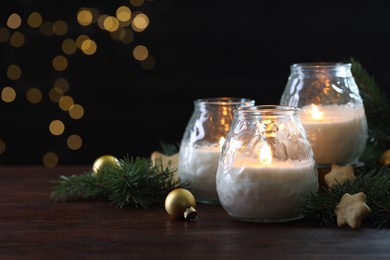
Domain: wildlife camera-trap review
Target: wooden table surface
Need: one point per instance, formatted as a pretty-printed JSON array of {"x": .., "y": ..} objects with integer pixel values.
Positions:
[{"x": 34, "y": 227}]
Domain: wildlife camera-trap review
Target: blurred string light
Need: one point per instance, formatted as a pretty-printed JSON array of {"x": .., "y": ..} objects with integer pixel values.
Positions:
[{"x": 121, "y": 25}]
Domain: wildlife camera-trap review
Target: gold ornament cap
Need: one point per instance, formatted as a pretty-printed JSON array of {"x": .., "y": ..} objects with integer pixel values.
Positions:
[{"x": 191, "y": 214}]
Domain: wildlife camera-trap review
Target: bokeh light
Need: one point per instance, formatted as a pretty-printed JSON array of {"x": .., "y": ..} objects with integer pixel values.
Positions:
[
  {"x": 14, "y": 21},
  {"x": 80, "y": 39},
  {"x": 111, "y": 24},
  {"x": 60, "y": 28},
  {"x": 66, "y": 102},
  {"x": 8, "y": 94},
  {"x": 60, "y": 63},
  {"x": 55, "y": 94},
  {"x": 88, "y": 47},
  {"x": 69, "y": 46},
  {"x": 140, "y": 52},
  {"x": 24, "y": 30},
  {"x": 76, "y": 111},
  {"x": 34, "y": 20},
  {"x": 74, "y": 142},
  {"x": 84, "y": 16},
  {"x": 17, "y": 40},
  {"x": 136, "y": 3},
  {"x": 14, "y": 72},
  {"x": 63, "y": 84},
  {"x": 140, "y": 22},
  {"x": 34, "y": 95},
  {"x": 50, "y": 159},
  {"x": 56, "y": 127},
  {"x": 123, "y": 13}
]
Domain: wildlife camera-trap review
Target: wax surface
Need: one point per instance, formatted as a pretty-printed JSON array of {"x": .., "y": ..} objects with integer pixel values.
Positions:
[
  {"x": 339, "y": 136},
  {"x": 199, "y": 168},
  {"x": 251, "y": 190}
]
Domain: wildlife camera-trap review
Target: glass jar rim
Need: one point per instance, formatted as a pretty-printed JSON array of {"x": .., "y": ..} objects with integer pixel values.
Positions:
[
  {"x": 267, "y": 110},
  {"x": 225, "y": 101},
  {"x": 320, "y": 64}
]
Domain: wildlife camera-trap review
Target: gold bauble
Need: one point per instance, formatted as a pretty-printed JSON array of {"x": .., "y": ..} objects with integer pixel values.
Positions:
[
  {"x": 385, "y": 158},
  {"x": 178, "y": 201},
  {"x": 103, "y": 160}
]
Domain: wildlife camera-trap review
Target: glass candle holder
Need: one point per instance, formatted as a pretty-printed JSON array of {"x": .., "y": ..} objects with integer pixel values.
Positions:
[
  {"x": 266, "y": 165},
  {"x": 201, "y": 144},
  {"x": 332, "y": 110}
]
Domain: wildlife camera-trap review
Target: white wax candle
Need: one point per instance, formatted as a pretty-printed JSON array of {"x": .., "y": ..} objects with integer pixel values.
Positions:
[
  {"x": 337, "y": 133},
  {"x": 200, "y": 168},
  {"x": 251, "y": 190}
]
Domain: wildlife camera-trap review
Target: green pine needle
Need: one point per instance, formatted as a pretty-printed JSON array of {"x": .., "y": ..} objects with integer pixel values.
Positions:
[
  {"x": 319, "y": 207},
  {"x": 133, "y": 182},
  {"x": 377, "y": 109},
  {"x": 77, "y": 187}
]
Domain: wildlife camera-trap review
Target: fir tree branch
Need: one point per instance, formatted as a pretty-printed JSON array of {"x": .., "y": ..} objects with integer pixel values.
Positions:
[
  {"x": 77, "y": 187},
  {"x": 133, "y": 182},
  {"x": 130, "y": 184},
  {"x": 319, "y": 207},
  {"x": 374, "y": 98},
  {"x": 377, "y": 107}
]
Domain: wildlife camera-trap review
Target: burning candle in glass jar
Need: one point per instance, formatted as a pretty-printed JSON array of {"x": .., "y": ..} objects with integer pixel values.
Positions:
[
  {"x": 332, "y": 110},
  {"x": 202, "y": 141},
  {"x": 337, "y": 133},
  {"x": 265, "y": 188},
  {"x": 266, "y": 165}
]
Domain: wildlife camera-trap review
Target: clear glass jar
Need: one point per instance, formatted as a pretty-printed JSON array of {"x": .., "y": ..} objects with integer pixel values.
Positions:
[
  {"x": 201, "y": 144},
  {"x": 266, "y": 165},
  {"x": 332, "y": 110}
]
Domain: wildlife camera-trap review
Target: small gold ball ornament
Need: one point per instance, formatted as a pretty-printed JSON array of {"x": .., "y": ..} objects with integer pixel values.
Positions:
[
  {"x": 180, "y": 204},
  {"x": 102, "y": 161},
  {"x": 385, "y": 158}
]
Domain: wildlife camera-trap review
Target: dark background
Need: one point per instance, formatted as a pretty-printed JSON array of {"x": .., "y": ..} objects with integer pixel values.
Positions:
[{"x": 201, "y": 48}]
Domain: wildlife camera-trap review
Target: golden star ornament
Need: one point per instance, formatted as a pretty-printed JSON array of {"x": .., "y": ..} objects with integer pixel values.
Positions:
[
  {"x": 166, "y": 160},
  {"x": 351, "y": 210},
  {"x": 339, "y": 175}
]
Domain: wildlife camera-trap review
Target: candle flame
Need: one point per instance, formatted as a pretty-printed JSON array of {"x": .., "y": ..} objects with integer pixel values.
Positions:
[
  {"x": 265, "y": 154},
  {"x": 315, "y": 112},
  {"x": 221, "y": 141}
]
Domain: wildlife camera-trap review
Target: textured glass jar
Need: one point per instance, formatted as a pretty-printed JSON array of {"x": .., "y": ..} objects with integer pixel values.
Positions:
[
  {"x": 332, "y": 110},
  {"x": 201, "y": 144},
  {"x": 266, "y": 165}
]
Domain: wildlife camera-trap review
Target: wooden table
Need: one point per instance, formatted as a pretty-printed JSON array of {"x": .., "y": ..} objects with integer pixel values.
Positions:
[{"x": 34, "y": 227}]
